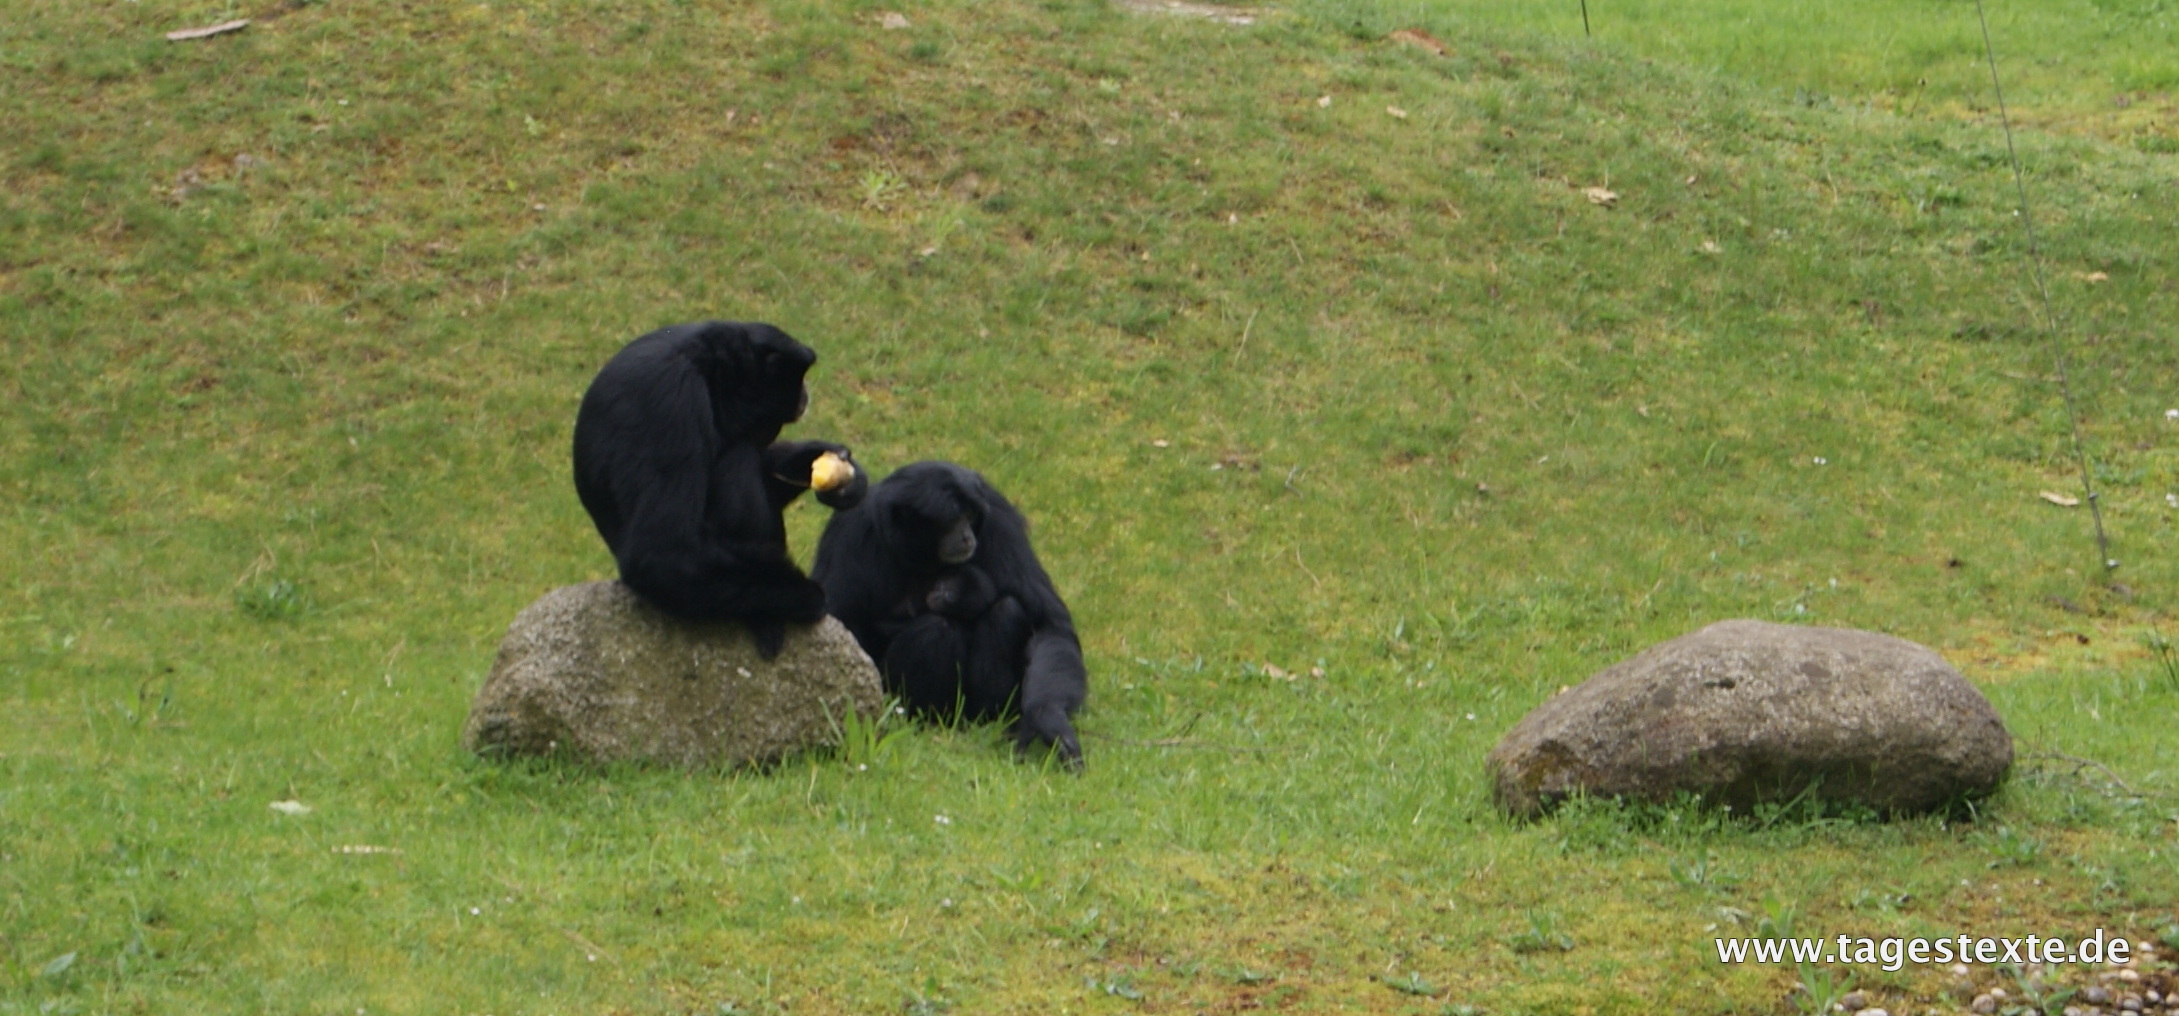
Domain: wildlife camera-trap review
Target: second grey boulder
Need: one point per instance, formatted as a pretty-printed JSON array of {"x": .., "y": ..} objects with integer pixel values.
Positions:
[{"x": 1744, "y": 712}]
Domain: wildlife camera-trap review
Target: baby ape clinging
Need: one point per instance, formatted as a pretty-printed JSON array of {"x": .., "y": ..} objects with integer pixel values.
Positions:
[
  {"x": 934, "y": 575},
  {"x": 676, "y": 461}
]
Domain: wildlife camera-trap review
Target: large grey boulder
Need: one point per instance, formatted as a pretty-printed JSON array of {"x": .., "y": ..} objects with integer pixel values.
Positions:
[
  {"x": 1744, "y": 712},
  {"x": 593, "y": 672}
]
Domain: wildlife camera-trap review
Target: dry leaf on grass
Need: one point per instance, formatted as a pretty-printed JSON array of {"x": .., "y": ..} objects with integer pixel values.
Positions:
[
  {"x": 1219, "y": 12},
  {"x": 2060, "y": 500},
  {"x": 2093, "y": 277},
  {"x": 208, "y": 31},
  {"x": 1420, "y": 39},
  {"x": 892, "y": 21},
  {"x": 1601, "y": 196},
  {"x": 1396, "y": 111}
]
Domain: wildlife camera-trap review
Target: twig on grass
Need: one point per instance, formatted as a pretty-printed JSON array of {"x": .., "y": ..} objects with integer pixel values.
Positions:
[
  {"x": 1305, "y": 566},
  {"x": 591, "y": 949},
  {"x": 2079, "y": 764},
  {"x": 1178, "y": 740},
  {"x": 1181, "y": 742},
  {"x": 2060, "y": 353},
  {"x": 1245, "y": 329}
]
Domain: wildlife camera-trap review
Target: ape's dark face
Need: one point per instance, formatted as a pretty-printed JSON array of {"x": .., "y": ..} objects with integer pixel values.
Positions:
[
  {"x": 767, "y": 367},
  {"x": 936, "y": 513},
  {"x": 959, "y": 543},
  {"x": 944, "y": 533},
  {"x": 782, "y": 362}
]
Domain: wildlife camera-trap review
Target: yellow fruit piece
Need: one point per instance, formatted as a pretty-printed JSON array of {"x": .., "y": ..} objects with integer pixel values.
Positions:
[{"x": 831, "y": 472}]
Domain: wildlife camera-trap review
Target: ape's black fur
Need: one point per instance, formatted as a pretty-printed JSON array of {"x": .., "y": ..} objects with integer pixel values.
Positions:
[
  {"x": 676, "y": 462},
  {"x": 934, "y": 575}
]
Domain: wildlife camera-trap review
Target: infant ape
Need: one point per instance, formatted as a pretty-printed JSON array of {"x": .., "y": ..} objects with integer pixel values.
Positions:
[
  {"x": 934, "y": 575},
  {"x": 676, "y": 461}
]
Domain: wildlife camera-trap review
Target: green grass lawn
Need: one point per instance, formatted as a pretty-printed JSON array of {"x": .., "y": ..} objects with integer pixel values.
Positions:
[
  {"x": 2103, "y": 67},
  {"x": 297, "y": 319}
]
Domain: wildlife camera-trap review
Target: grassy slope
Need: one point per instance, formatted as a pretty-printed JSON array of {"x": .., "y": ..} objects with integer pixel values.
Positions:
[
  {"x": 2105, "y": 67},
  {"x": 284, "y": 448}
]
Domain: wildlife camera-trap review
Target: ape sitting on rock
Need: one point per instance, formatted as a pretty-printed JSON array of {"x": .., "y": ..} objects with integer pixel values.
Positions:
[
  {"x": 934, "y": 575},
  {"x": 676, "y": 461}
]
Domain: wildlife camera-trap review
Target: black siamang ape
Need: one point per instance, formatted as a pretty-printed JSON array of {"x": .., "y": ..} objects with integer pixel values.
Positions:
[
  {"x": 934, "y": 575},
  {"x": 676, "y": 462}
]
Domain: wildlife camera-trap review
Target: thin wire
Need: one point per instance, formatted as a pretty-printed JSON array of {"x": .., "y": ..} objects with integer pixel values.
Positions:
[
  {"x": 2042, "y": 288},
  {"x": 1585, "y": 17}
]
